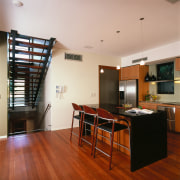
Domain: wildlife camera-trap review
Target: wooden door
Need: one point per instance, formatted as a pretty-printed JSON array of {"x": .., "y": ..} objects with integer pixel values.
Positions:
[{"x": 109, "y": 86}]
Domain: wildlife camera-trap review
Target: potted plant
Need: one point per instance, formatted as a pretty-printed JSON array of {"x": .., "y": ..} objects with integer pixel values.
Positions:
[{"x": 147, "y": 96}]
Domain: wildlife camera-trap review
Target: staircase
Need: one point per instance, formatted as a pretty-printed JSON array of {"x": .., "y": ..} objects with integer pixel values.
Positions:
[{"x": 29, "y": 59}]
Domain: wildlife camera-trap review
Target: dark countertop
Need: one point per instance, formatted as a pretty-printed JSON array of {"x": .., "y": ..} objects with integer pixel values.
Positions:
[{"x": 115, "y": 109}]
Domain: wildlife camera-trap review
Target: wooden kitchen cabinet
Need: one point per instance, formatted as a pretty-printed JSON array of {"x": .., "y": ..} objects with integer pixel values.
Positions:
[
  {"x": 148, "y": 105},
  {"x": 177, "y": 64},
  {"x": 177, "y": 119},
  {"x": 130, "y": 72},
  {"x": 136, "y": 72},
  {"x": 124, "y": 73}
]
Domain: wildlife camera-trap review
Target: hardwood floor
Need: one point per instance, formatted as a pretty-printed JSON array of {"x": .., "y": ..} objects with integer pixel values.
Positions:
[{"x": 51, "y": 155}]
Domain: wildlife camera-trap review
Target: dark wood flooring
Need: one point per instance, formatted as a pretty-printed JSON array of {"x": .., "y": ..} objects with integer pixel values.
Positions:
[{"x": 51, "y": 155}]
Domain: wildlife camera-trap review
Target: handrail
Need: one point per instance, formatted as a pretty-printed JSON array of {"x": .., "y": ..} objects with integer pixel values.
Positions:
[
  {"x": 47, "y": 108},
  {"x": 43, "y": 115}
]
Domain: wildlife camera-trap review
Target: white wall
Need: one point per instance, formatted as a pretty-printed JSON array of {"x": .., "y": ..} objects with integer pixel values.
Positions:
[
  {"x": 3, "y": 85},
  {"x": 80, "y": 80},
  {"x": 44, "y": 98},
  {"x": 159, "y": 53}
]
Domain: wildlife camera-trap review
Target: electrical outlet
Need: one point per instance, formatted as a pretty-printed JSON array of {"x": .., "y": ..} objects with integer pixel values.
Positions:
[{"x": 93, "y": 94}]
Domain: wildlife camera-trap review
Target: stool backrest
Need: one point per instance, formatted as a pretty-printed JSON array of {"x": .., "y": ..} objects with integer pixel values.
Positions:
[
  {"x": 76, "y": 107},
  {"x": 88, "y": 110},
  {"x": 102, "y": 113}
]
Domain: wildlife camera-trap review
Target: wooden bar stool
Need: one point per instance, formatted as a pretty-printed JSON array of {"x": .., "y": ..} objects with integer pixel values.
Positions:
[
  {"x": 110, "y": 127},
  {"x": 77, "y": 114},
  {"x": 89, "y": 118}
]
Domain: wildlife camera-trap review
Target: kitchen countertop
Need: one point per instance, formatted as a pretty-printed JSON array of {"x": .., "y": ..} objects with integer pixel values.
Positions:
[
  {"x": 117, "y": 110},
  {"x": 162, "y": 102}
]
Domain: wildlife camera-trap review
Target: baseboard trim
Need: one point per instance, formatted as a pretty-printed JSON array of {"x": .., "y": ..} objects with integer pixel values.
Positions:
[{"x": 3, "y": 137}]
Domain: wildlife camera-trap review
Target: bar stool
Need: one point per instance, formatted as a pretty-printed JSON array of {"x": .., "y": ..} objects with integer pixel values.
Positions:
[
  {"x": 110, "y": 127},
  {"x": 89, "y": 118},
  {"x": 77, "y": 114}
]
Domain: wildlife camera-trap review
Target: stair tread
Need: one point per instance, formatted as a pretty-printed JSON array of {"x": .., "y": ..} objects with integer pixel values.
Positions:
[
  {"x": 33, "y": 67},
  {"x": 27, "y": 72},
  {"x": 23, "y": 77},
  {"x": 29, "y": 52},
  {"x": 29, "y": 60},
  {"x": 27, "y": 44}
]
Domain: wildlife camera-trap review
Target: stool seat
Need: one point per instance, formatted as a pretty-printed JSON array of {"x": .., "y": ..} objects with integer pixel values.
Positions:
[
  {"x": 89, "y": 121},
  {"x": 108, "y": 127},
  {"x": 78, "y": 117}
]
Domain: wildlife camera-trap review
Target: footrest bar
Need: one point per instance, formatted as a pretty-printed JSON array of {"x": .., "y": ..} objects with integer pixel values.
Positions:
[{"x": 102, "y": 151}]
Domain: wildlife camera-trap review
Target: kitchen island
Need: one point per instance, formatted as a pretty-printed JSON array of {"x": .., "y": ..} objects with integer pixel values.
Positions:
[{"x": 148, "y": 137}]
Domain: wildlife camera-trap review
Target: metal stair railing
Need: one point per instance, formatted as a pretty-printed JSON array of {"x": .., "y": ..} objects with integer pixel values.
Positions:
[{"x": 29, "y": 58}]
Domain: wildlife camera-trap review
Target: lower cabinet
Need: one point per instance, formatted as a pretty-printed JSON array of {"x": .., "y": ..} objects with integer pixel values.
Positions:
[
  {"x": 177, "y": 119},
  {"x": 153, "y": 106},
  {"x": 147, "y": 105}
]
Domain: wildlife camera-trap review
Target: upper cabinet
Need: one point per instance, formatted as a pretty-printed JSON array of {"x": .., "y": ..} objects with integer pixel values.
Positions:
[
  {"x": 177, "y": 64},
  {"x": 130, "y": 72},
  {"x": 136, "y": 72}
]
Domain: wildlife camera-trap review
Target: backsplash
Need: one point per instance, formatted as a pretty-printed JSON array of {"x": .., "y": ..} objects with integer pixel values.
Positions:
[{"x": 165, "y": 97}]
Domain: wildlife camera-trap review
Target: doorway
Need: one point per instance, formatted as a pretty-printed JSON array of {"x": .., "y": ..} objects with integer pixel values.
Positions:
[{"x": 108, "y": 85}]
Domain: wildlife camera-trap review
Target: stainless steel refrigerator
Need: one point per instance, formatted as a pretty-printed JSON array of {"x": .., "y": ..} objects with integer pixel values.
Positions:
[{"x": 128, "y": 92}]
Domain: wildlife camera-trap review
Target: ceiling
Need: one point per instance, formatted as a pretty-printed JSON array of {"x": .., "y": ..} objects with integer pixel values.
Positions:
[{"x": 91, "y": 25}]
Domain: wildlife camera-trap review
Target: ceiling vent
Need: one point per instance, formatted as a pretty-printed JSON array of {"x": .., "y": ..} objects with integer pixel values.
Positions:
[
  {"x": 139, "y": 60},
  {"x": 172, "y": 1},
  {"x": 75, "y": 57}
]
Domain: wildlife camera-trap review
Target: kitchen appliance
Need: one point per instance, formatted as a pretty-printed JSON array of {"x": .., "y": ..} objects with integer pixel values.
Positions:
[
  {"x": 170, "y": 111},
  {"x": 128, "y": 92}
]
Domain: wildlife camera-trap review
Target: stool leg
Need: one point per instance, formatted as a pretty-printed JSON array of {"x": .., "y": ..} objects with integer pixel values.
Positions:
[
  {"x": 92, "y": 148},
  {"x": 111, "y": 148},
  {"x": 72, "y": 126},
  {"x": 95, "y": 142},
  {"x": 80, "y": 128},
  {"x": 129, "y": 140}
]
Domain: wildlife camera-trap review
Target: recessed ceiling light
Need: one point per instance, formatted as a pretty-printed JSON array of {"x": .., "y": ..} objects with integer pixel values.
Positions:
[
  {"x": 141, "y": 19},
  {"x": 88, "y": 47},
  {"x": 17, "y": 3},
  {"x": 172, "y": 1}
]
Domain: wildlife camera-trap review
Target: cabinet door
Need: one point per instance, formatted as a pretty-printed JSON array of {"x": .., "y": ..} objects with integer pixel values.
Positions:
[
  {"x": 177, "y": 119},
  {"x": 130, "y": 72},
  {"x": 134, "y": 72},
  {"x": 177, "y": 64},
  {"x": 148, "y": 105},
  {"x": 124, "y": 73}
]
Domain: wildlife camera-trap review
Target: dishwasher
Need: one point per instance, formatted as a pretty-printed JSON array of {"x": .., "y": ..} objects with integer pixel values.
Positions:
[{"x": 170, "y": 111}]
